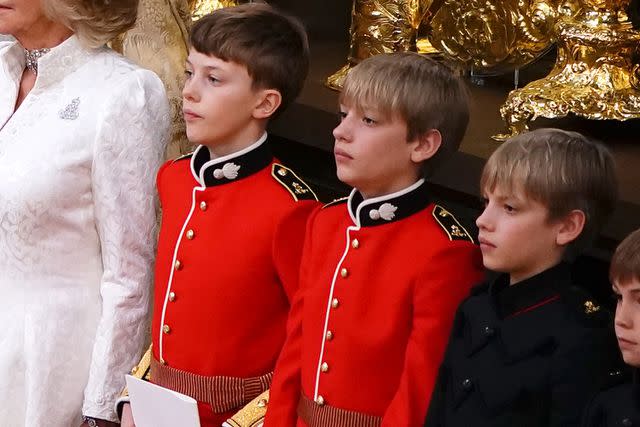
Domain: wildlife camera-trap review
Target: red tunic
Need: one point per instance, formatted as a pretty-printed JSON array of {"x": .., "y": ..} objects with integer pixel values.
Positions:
[
  {"x": 222, "y": 285},
  {"x": 380, "y": 282}
]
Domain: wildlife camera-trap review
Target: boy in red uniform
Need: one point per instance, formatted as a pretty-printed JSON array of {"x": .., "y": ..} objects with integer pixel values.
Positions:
[
  {"x": 223, "y": 283},
  {"x": 383, "y": 270}
]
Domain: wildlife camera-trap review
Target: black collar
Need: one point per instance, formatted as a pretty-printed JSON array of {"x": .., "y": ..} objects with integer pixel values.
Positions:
[
  {"x": 514, "y": 313},
  {"x": 389, "y": 208},
  {"x": 233, "y": 167},
  {"x": 530, "y": 293}
]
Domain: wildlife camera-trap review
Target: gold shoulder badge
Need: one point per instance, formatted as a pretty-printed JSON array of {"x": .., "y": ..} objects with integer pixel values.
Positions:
[
  {"x": 292, "y": 182},
  {"x": 590, "y": 307},
  {"x": 183, "y": 157},
  {"x": 336, "y": 202},
  {"x": 450, "y": 224},
  {"x": 252, "y": 415}
]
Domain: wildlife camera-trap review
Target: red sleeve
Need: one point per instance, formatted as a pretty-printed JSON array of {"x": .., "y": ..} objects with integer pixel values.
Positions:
[
  {"x": 286, "y": 384},
  {"x": 288, "y": 244},
  {"x": 159, "y": 178},
  {"x": 442, "y": 285}
]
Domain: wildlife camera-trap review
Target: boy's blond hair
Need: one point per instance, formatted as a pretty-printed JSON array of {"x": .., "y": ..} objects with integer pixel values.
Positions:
[
  {"x": 562, "y": 170},
  {"x": 424, "y": 93},
  {"x": 625, "y": 263}
]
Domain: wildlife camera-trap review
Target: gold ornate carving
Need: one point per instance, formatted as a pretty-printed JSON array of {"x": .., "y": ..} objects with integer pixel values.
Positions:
[
  {"x": 495, "y": 36},
  {"x": 199, "y": 8},
  {"x": 381, "y": 26},
  {"x": 595, "y": 75}
]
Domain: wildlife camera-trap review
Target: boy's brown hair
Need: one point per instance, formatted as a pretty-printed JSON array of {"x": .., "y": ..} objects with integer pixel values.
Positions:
[
  {"x": 625, "y": 263},
  {"x": 562, "y": 170},
  {"x": 424, "y": 93},
  {"x": 272, "y": 46}
]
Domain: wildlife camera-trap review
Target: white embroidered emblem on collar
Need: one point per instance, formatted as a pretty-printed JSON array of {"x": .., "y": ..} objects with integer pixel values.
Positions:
[
  {"x": 229, "y": 171},
  {"x": 386, "y": 212},
  {"x": 70, "y": 112}
]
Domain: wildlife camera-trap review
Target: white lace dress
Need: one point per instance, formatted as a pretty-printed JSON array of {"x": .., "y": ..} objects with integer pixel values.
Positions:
[{"x": 77, "y": 215}]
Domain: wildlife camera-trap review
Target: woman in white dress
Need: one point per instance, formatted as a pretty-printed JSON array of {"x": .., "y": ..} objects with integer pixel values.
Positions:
[{"x": 82, "y": 132}]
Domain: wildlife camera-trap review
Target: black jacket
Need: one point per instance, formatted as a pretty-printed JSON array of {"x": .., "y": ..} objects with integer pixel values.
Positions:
[
  {"x": 532, "y": 354},
  {"x": 618, "y": 406}
]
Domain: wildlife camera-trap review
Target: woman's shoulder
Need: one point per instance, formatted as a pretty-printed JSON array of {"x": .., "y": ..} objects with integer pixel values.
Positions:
[{"x": 120, "y": 71}]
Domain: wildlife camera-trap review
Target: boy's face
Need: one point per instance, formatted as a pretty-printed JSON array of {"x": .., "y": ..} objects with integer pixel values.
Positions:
[
  {"x": 372, "y": 153},
  {"x": 627, "y": 323},
  {"x": 219, "y": 103},
  {"x": 516, "y": 236}
]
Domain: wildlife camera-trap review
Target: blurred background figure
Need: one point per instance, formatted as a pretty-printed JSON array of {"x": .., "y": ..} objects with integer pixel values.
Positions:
[{"x": 158, "y": 41}]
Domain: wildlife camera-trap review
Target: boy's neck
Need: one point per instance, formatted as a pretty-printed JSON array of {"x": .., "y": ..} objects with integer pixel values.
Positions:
[
  {"x": 518, "y": 277},
  {"x": 236, "y": 143},
  {"x": 399, "y": 186}
]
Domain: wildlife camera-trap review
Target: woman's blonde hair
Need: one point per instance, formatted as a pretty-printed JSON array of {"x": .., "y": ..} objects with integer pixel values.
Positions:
[{"x": 95, "y": 22}]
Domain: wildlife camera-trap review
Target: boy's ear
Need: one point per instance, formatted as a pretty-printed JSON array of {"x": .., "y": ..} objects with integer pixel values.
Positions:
[
  {"x": 570, "y": 227},
  {"x": 268, "y": 102},
  {"x": 426, "y": 145}
]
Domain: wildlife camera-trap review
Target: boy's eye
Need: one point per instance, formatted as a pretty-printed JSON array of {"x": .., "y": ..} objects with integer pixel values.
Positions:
[
  {"x": 342, "y": 115},
  {"x": 617, "y": 297},
  {"x": 485, "y": 202},
  {"x": 368, "y": 120},
  {"x": 213, "y": 79},
  {"x": 508, "y": 208},
  {"x": 188, "y": 73}
]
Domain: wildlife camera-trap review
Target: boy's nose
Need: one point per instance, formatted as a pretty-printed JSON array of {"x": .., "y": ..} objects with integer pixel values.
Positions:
[
  {"x": 341, "y": 131},
  {"x": 622, "y": 315},
  {"x": 188, "y": 91},
  {"x": 483, "y": 220}
]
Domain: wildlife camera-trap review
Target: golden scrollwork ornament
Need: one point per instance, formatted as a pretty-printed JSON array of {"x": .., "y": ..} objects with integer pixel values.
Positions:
[
  {"x": 199, "y": 8},
  {"x": 497, "y": 36},
  {"x": 595, "y": 75},
  {"x": 381, "y": 26}
]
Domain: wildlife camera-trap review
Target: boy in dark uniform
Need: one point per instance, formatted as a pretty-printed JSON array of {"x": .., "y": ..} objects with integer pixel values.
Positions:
[
  {"x": 529, "y": 348},
  {"x": 619, "y": 406},
  {"x": 383, "y": 269},
  {"x": 233, "y": 217}
]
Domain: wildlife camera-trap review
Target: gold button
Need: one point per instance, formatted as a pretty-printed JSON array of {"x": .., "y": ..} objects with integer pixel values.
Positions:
[
  {"x": 178, "y": 265},
  {"x": 203, "y": 205},
  {"x": 355, "y": 244},
  {"x": 282, "y": 172},
  {"x": 190, "y": 234},
  {"x": 134, "y": 370},
  {"x": 320, "y": 400},
  {"x": 324, "y": 367},
  {"x": 166, "y": 329},
  {"x": 172, "y": 296},
  {"x": 329, "y": 336},
  {"x": 262, "y": 403},
  {"x": 335, "y": 303},
  {"x": 344, "y": 272}
]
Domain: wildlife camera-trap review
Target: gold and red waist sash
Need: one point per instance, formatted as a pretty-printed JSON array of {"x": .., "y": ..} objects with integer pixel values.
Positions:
[
  {"x": 315, "y": 415},
  {"x": 222, "y": 393}
]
